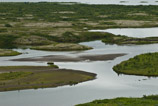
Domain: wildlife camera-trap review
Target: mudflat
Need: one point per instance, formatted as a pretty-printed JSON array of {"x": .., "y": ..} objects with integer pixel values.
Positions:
[{"x": 62, "y": 58}]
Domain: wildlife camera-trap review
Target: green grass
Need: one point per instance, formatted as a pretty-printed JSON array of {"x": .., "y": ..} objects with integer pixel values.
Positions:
[
  {"x": 33, "y": 77},
  {"x": 6, "y": 52},
  {"x": 81, "y": 17},
  {"x": 13, "y": 75},
  {"x": 62, "y": 47},
  {"x": 144, "y": 64},
  {"x": 51, "y": 11},
  {"x": 122, "y": 101},
  {"x": 6, "y": 41}
]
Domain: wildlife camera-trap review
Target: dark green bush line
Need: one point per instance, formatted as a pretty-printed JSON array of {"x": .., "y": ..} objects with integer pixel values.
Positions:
[{"x": 6, "y": 41}]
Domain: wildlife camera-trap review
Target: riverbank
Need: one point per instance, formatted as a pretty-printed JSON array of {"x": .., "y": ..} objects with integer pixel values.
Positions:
[
  {"x": 144, "y": 101},
  {"x": 6, "y": 52},
  {"x": 34, "y": 77},
  {"x": 62, "y": 47},
  {"x": 144, "y": 65}
]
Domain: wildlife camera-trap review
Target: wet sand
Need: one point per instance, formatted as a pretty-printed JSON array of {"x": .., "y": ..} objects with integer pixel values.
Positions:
[{"x": 62, "y": 58}]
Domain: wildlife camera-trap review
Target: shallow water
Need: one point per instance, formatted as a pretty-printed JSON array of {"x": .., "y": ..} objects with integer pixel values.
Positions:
[
  {"x": 107, "y": 85},
  {"x": 132, "y": 32},
  {"x": 120, "y": 2}
]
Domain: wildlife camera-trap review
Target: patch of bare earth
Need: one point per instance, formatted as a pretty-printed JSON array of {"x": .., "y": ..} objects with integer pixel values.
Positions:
[
  {"x": 131, "y": 23},
  {"x": 48, "y": 24},
  {"x": 32, "y": 40}
]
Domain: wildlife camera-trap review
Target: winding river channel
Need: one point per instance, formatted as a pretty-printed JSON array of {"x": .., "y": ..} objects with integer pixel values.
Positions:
[{"x": 107, "y": 85}]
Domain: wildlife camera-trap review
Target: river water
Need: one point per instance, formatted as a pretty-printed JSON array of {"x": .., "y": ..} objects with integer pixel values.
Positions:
[
  {"x": 107, "y": 85},
  {"x": 132, "y": 32},
  {"x": 119, "y": 2}
]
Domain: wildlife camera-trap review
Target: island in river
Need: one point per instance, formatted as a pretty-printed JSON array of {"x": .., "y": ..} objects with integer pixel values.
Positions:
[
  {"x": 34, "y": 77},
  {"x": 144, "y": 65}
]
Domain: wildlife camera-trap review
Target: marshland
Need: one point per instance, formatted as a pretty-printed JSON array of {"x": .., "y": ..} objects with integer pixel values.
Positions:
[{"x": 64, "y": 54}]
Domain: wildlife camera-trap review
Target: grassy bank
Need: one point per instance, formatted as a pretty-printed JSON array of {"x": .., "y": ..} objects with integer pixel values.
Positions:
[
  {"x": 6, "y": 52},
  {"x": 123, "y": 40},
  {"x": 122, "y": 101},
  {"x": 144, "y": 64},
  {"x": 33, "y": 77},
  {"x": 62, "y": 47}
]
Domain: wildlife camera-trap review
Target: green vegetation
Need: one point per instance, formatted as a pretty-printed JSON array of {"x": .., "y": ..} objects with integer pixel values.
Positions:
[
  {"x": 33, "y": 77},
  {"x": 52, "y": 65},
  {"x": 144, "y": 101},
  {"x": 62, "y": 47},
  {"x": 144, "y": 64},
  {"x": 6, "y": 52},
  {"x": 46, "y": 23},
  {"x": 122, "y": 40},
  {"x": 32, "y": 40},
  {"x": 75, "y": 12},
  {"x": 6, "y": 41},
  {"x": 13, "y": 75},
  {"x": 7, "y": 25}
]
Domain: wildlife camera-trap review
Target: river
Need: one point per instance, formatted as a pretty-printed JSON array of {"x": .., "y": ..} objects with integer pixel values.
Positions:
[
  {"x": 107, "y": 85},
  {"x": 132, "y": 32}
]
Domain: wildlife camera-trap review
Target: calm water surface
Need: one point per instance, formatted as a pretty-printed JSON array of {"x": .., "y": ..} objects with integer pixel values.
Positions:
[
  {"x": 132, "y": 32},
  {"x": 107, "y": 85}
]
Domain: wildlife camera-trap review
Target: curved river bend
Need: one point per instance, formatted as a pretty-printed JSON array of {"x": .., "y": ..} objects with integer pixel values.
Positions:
[{"x": 107, "y": 85}]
